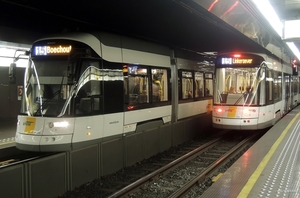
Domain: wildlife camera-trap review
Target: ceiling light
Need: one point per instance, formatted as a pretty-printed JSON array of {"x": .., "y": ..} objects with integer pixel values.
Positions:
[{"x": 268, "y": 12}]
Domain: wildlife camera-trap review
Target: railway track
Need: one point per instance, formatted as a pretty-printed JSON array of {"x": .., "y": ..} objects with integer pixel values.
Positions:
[
  {"x": 164, "y": 174},
  {"x": 179, "y": 177},
  {"x": 168, "y": 174}
]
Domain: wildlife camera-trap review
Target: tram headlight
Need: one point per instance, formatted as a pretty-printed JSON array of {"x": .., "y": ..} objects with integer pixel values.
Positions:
[
  {"x": 219, "y": 110},
  {"x": 246, "y": 111},
  {"x": 62, "y": 124}
]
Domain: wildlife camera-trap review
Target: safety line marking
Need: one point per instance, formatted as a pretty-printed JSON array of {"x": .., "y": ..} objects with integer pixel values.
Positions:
[
  {"x": 7, "y": 141},
  {"x": 216, "y": 178},
  {"x": 254, "y": 177}
]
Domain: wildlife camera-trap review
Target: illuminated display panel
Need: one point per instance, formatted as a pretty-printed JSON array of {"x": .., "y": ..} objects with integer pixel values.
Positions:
[
  {"x": 240, "y": 60},
  {"x": 232, "y": 61},
  {"x": 51, "y": 50}
]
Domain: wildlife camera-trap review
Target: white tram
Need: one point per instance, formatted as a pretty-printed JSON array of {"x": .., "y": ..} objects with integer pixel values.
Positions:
[
  {"x": 252, "y": 91},
  {"x": 81, "y": 89}
]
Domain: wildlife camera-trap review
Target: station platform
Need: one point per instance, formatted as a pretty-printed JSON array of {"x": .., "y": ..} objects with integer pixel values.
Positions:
[
  {"x": 7, "y": 132},
  {"x": 270, "y": 168}
]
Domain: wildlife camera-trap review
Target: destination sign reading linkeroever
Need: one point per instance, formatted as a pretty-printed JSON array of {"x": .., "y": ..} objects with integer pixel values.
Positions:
[
  {"x": 52, "y": 50},
  {"x": 232, "y": 61}
]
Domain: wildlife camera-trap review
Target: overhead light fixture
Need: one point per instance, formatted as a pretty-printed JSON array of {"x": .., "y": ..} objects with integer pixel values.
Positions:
[
  {"x": 291, "y": 29},
  {"x": 8, "y": 52},
  {"x": 268, "y": 12}
]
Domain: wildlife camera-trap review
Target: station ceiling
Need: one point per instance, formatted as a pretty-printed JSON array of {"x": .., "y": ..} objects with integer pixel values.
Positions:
[
  {"x": 288, "y": 10},
  {"x": 177, "y": 23}
]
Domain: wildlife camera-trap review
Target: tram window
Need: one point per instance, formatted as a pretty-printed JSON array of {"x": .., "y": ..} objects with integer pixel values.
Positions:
[
  {"x": 208, "y": 85},
  {"x": 269, "y": 86},
  {"x": 87, "y": 100},
  {"x": 138, "y": 85},
  {"x": 144, "y": 85},
  {"x": 287, "y": 85},
  {"x": 199, "y": 83},
  {"x": 113, "y": 87},
  {"x": 187, "y": 84},
  {"x": 277, "y": 86},
  {"x": 86, "y": 63},
  {"x": 88, "y": 96},
  {"x": 298, "y": 85},
  {"x": 295, "y": 85},
  {"x": 159, "y": 85}
]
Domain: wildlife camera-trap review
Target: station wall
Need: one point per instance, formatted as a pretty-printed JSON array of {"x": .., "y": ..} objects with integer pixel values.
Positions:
[{"x": 9, "y": 101}]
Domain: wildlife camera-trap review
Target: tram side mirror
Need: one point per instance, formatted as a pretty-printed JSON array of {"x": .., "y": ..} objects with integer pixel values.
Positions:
[
  {"x": 13, "y": 66},
  {"x": 12, "y": 73}
]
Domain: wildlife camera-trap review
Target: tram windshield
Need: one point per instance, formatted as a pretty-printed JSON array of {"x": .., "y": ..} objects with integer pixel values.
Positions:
[
  {"x": 237, "y": 86},
  {"x": 47, "y": 85}
]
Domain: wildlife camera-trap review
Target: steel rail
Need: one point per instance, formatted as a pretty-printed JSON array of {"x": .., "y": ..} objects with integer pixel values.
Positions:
[
  {"x": 183, "y": 190},
  {"x": 162, "y": 170}
]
